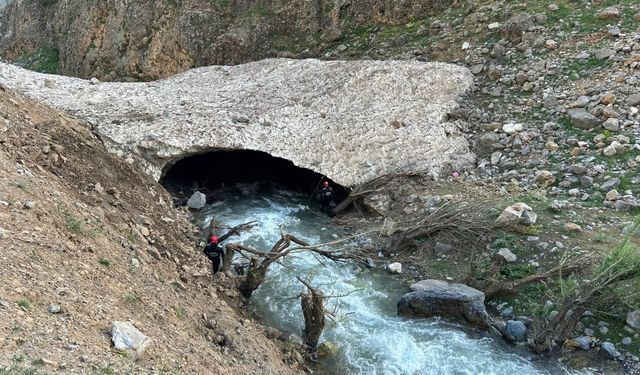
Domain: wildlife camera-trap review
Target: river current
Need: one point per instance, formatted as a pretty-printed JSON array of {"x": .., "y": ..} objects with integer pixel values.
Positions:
[{"x": 368, "y": 336}]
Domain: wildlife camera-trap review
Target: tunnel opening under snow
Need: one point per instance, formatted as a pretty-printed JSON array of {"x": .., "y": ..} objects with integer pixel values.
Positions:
[{"x": 216, "y": 170}]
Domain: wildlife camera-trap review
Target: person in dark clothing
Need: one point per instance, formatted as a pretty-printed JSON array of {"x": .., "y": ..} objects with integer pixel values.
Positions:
[
  {"x": 214, "y": 252},
  {"x": 326, "y": 198}
]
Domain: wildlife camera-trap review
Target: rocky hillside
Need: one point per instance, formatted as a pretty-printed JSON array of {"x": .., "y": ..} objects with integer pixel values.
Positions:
[
  {"x": 87, "y": 241},
  {"x": 118, "y": 40}
]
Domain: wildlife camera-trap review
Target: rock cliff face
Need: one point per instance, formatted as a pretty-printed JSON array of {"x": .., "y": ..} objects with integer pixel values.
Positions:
[
  {"x": 120, "y": 39},
  {"x": 351, "y": 121}
]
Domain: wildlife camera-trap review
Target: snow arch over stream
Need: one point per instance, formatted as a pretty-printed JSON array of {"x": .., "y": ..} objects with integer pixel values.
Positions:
[{"x": 349, "y": 120}]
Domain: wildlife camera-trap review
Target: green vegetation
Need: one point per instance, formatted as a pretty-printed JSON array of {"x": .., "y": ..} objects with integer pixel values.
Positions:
[
  {"x": 181, "y": 313},
  {"x": 105, "y": 262},
  {"x": 43, "y": 60},
  {"x": 133, "y": 299},
  {"x": 577, "y": 68},
  {"x": 516, "y": 271},
  {"x": 21, "y": 184},
  {"x": 24, "y": 304},
  {"x": 73, "y": 224}
]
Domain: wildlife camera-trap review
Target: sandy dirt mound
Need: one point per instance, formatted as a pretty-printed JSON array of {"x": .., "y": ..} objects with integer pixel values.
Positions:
[{"x": 83, "y": 233}]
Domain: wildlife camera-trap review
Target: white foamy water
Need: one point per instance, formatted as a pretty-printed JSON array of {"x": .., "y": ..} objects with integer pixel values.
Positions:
[{"x": 370, "y": 338}]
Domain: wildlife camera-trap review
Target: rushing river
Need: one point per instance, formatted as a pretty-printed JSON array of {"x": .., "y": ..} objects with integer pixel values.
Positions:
[{"x": 369, "y": 337}]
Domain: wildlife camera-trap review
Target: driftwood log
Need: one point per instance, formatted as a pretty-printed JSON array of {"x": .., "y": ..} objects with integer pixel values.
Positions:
[{"x": 314, "y": 316}]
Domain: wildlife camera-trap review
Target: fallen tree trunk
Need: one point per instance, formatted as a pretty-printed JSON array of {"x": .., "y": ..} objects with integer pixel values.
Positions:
[{"x": 512, "y": 287}]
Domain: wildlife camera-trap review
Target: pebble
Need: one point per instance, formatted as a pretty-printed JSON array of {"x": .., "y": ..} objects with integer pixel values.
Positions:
[
  {"x": 54, "y": 309},
  {"x": 29, "y": 205}
]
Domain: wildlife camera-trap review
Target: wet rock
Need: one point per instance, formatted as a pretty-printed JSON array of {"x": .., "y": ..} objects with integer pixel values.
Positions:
[
  {"x": 197, "y": 200},
  {"x": 395, "y": 268},
  {"x": 582, "y": 119},
  {"x": 610, "y": 350},
  {"x": 633, "y": 319},
  {"x": 431, "y": 298},
  {"x": 517, "y": 330},
  {"x": 128, "y": 338}
]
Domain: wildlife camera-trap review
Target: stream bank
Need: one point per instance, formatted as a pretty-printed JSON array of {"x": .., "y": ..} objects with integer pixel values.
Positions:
[{"x": 368, "y": 336}]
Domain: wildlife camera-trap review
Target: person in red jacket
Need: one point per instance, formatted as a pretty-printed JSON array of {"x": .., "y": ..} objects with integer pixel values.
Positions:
[{"x": 214, "y": 252}]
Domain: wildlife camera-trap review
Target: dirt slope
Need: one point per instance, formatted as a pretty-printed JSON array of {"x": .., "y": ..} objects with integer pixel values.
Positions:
[{"x": 91, "y": 215}]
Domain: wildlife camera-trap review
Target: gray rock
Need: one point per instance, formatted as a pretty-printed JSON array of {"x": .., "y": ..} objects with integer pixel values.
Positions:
[
  {"x": 517, "y": 330},
  {"x": 584, "y": 343},
  {"x": 395, "y": 268},
  {"x": 514, "y": 28},
  {"x": 197, "y": 200},
  {"x": 611, "y": 124},
  {"x": 610, "y": 350},
  {"x": 633, "y": 319},
  {"x": 127, "y": 337},
  {"x": 514, "y": 214},
  {"x": 3, "y": 232},
  {"x": 589, "y": 332},
  {"x": 604, "y": 330},
  {"x": 29, "y": 205},
  {"x": 431, "y": 298},
  {"x": 442, "y": 248},
  {"x": 54, "y": 309},
  {"x": 582, "y": 101},
  {"x": 507, "y": 255},
  {"x": 603, "y": 53},
  {"x": 610, "y": 184},
  {"x": 627, "y": 204},
  {"x": 586, "y": 181},
  {"x": 626, "y": 341},
  {"x": 369, "y": 263},
  {"x": 633, "y": 100},
  {"x": 507, "y": 312},
  {"x": 582, "y": 119}
]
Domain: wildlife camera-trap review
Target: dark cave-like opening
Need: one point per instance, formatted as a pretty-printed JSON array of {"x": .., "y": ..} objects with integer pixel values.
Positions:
[{"x": 213, "y": 170}]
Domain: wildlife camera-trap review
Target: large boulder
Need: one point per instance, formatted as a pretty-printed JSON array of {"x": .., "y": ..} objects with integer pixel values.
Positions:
[{"x": 430, "y": 298}]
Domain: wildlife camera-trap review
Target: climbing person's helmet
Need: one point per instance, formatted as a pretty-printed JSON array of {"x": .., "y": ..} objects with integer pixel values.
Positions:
[
  {"x": 214, "y": 239},
  {"x": 325, "y": 184}
]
